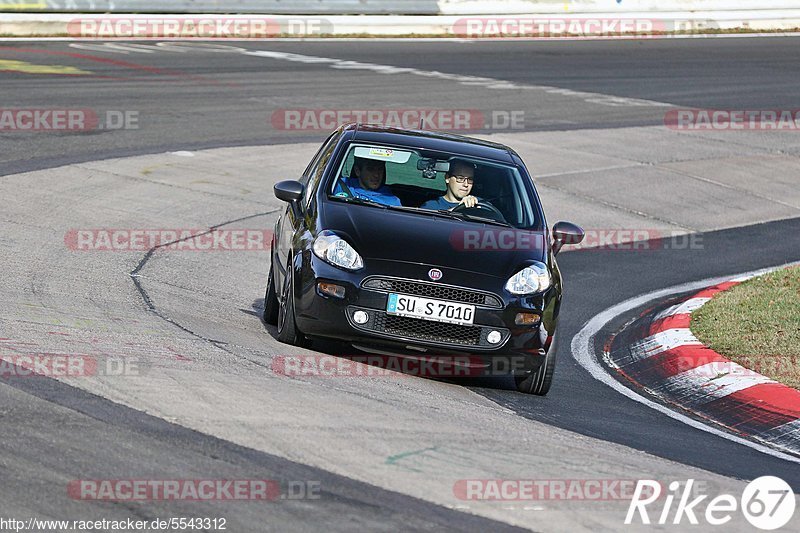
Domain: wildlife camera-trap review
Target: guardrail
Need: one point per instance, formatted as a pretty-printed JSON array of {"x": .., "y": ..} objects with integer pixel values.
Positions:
[
  {"x": 211, "y": 26},
  {"x": 304, "y": 7},
  {"x": 386, "y": 7}
]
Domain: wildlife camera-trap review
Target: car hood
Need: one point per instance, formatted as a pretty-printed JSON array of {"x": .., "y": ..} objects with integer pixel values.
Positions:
[{"x": 392, "y": 235}]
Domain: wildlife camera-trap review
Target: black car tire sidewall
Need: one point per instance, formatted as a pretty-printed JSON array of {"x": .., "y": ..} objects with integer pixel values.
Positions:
[
  {"x": 271, "y": 300},
  {"x": 539, "y": 381},
  {"x": 288, "y": 333}
]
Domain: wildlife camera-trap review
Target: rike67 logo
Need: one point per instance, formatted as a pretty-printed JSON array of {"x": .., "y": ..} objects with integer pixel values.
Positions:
[{"x": 767, "y": 503}]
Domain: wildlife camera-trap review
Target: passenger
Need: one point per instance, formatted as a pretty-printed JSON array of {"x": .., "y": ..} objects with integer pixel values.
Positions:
[
  {"x": 459, "y": 179},
  {"x": 367, "y": 181}
]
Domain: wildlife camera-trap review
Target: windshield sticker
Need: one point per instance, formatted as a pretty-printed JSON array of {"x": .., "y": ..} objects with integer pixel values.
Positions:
[{"x": 381, "y": 152}]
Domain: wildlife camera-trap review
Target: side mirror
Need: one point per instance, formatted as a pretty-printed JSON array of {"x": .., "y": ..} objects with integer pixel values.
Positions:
[
  {"x": 289, "y": 191},
  {"x": 566, "y": 233}
]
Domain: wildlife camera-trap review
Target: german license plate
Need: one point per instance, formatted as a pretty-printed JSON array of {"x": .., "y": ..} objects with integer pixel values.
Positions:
[{"x": 427, "y": 309}]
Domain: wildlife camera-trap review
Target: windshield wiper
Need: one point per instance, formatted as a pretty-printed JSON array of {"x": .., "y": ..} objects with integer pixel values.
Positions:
[
  {"x": 367, "y": 201},
  {"x": 446, "y": 213},
  {"x": 474, "y": 218},
  {"x": 357, "y": 200}
]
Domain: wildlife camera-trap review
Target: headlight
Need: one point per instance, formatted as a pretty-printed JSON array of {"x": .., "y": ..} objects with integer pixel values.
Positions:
[
  {"x": 334, "y": 250},
  {"x": 529, "y": 280}
]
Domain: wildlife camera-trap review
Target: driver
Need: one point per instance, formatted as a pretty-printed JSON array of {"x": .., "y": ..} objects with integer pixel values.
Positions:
[
  {"x": 368, "y": 181},
  {"x": 459, "y": 179}
]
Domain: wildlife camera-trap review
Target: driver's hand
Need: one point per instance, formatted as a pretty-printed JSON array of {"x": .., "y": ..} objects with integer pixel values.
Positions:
[{"x": 470, "y": 201}]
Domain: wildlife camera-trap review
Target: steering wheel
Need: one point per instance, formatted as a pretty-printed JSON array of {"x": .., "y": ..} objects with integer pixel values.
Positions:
[{"x": 485, "y": 208}]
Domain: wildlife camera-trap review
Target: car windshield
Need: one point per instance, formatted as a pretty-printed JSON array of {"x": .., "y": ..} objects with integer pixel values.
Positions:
[{"x": 435, "y": 183}]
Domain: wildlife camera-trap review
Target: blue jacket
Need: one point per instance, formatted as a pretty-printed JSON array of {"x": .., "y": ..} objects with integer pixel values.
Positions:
[
  {"x": 440, "y": 204},
  {"x": 383, "y": 195}
]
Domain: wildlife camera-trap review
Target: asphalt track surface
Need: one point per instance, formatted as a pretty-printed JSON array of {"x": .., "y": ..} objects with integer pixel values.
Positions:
[{"x": 193, "y": 100}]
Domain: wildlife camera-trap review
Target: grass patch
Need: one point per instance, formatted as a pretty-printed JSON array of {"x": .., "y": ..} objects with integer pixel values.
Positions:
[{"x": 757, "y": 324}]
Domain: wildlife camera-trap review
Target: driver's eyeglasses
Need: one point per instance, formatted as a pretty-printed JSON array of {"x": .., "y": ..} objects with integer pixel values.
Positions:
[{"x": 462, "y": 179}]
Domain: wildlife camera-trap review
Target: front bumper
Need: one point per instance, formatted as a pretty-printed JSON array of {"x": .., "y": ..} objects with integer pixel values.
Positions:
[{"x": 319, "y": 315}]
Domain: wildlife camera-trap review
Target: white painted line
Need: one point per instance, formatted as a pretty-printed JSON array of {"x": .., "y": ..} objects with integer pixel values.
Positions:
[
  {"x": 118, "y": 48},
  {"x": 756, "y": 273},
  {"x": 742, "y": 279},
  {"x": 685, "y": 308},
  {"x": 584, "y": 353},
  {"x": 780, "y": 435},
  {"x": 701, "y": 385},
  {"x": 488, "y": 83},
  {"x": 587, "y": 170},
  {"x": 658, "y": 343}
]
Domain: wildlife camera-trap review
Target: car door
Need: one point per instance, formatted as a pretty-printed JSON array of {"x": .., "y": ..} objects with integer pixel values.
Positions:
[{"x": 293, "y": 219}]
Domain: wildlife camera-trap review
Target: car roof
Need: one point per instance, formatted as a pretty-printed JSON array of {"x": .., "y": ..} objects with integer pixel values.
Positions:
[{"x": 429, "y": 140}]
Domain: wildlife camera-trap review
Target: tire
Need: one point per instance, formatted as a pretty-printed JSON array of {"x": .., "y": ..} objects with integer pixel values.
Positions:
[
  {"x": 287, "y": 328},
  {"x": 271, "y": 301},
  {"x": 538, "y": 382}
]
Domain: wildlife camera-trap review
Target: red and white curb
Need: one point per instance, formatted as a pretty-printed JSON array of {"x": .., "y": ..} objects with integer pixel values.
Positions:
[
  {"x": 671, "y": 363},
  {"x": 690, "y": 382}
]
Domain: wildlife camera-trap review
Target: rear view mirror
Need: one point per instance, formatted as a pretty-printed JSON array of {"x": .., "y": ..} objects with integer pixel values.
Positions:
[
  {"x": 566, "y": 233},
  {"x": 430, "y": 167}
]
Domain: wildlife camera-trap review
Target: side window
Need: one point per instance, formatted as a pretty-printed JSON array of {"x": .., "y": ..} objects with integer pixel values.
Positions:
[
  {"x": 314, "y": 160},
  {"x": 317, "y": 167}
]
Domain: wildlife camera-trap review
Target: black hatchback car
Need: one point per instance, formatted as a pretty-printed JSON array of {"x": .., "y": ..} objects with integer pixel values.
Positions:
[{"x": 419, "y": 244}]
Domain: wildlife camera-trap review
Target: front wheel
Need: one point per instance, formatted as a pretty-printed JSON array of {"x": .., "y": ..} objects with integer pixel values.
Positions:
[
  {"x": 538, "y": 382},
  {"x": 287, "y": 327}
]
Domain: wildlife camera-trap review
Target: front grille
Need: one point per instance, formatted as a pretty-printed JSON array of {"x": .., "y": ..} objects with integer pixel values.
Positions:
[
  {"x": 427, "y": 330},
  {"x": 433, "y": 290},
  {"x": 415, "y": 329}
]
